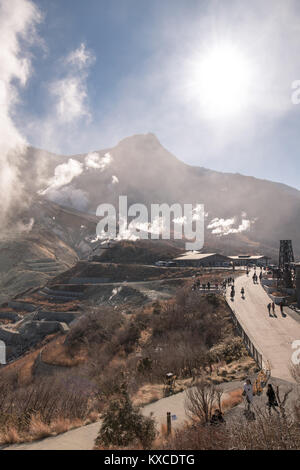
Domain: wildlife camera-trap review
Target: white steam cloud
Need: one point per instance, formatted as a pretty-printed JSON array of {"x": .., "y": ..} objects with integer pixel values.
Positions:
[
  {"x": 94, "y": 161},
  {"x": 17, "y": 22},
  {"x": 59, "y": 189},
  {"x": 223, "y": 227},
  {"x": 63, "y": 175}
]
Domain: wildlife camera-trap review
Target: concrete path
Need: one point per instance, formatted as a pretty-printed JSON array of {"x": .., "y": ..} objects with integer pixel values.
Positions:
[
  {"x": 272, "y": 336},
  {"x": 82, "y": 438}
]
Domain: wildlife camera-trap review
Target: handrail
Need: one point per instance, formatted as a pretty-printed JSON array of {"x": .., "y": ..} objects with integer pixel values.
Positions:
[{"x": 257, "y": 356}]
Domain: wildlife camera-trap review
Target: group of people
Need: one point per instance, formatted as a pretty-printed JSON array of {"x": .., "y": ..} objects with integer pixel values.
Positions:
[
  {"x": 271, "y": 306},
  {"x": 197, "y": 285},
  {"x": 272, "y": 403},
  {"x": 248, "y": 394}
]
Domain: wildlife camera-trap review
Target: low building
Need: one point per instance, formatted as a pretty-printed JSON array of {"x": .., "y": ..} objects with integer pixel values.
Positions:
[
  {"x": 194, "y": 258},
  {"x": 246, "y": 260}
]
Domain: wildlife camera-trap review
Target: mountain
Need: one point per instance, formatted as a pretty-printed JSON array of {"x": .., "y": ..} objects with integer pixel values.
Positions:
[
  {"x": 40, "y": 242},
  {"x": 243, "y": 213}
]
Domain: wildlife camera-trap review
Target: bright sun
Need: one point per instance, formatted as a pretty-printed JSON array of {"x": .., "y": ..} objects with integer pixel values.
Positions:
[{"x": 220, "y": 80}]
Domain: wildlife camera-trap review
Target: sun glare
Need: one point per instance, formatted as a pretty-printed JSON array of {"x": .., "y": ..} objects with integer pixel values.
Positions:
[{"x": 220, "y": 80}]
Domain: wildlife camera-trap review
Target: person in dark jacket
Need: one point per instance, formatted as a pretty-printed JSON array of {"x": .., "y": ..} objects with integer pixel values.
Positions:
[
  {"x": 217, "y": 418},
  {"x": 272, "y": 402}
]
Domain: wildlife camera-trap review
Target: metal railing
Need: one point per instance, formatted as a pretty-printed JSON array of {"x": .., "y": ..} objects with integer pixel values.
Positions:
[{"x": 257, "y": 356}]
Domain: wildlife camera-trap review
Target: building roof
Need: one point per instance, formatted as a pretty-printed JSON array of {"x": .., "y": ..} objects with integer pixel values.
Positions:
[
  {"x": 247, "y": 257},
  {"x": 195, "y": 255}
]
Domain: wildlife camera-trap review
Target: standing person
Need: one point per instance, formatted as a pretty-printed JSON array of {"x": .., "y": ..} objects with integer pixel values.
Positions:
[
  {"x": 208, "y": 285},
  {"x": 272, "y": 402},
  {"x": 232, "y": 293},
  {"x": 281, "y": 308},
  {"x": 269, "y": 309},
  {"x": 260, "y": 276},
  {"x": 248, "y": 393},
  {"x": 273, "y": 309},
  {"x": 217, "y": 418}
]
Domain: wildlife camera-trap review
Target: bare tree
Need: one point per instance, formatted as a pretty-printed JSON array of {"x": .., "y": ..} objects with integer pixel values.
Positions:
[
  {"x": 282, "y": 401},
  {"x": 201, "y": 401}
]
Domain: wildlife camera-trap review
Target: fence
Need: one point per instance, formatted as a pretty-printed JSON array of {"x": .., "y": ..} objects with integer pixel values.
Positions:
[{"x": 247, "y": 341}]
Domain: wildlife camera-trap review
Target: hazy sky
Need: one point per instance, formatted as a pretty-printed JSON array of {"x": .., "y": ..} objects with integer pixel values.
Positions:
[{"x": 212, "y": 79}]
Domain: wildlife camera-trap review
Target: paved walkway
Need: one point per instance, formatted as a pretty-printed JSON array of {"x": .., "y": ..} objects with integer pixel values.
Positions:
[{"x": 272, "y": 336}]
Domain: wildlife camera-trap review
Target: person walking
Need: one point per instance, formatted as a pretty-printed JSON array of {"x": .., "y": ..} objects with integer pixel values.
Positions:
[
  {"x": 248, "y": 393},
  {"x": 281, "y": 308},
  {"x": 232, "y": 293},
  {"x": 269, "y": 309},
  {"x": 272, "y": 402}
]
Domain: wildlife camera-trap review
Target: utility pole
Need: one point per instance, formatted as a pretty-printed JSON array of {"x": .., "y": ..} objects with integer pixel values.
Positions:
[{"x": 169, "y": 424}]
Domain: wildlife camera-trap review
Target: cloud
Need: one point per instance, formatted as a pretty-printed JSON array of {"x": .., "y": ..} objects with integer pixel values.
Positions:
[
  {"x": 81, "y": 57},
  {"x": 70, "y": 93},
  {"x": 71, "y": 99},
  {"x": 18, "y": 19},
  {"x": 67, "y": 104}
]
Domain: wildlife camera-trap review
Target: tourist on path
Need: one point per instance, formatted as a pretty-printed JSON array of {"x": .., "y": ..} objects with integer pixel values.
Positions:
[
  {"x": 248, "y": 393},
  {"x": 272, "y": 402},
  {"x": 269, "y": 309}
]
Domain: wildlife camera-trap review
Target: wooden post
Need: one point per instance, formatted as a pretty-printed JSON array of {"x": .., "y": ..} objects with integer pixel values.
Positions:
[{"x": 169, "y": 423}]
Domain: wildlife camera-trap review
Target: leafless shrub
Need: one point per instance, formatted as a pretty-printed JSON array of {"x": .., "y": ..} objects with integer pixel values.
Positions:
[{"x": 201, "y": 401}]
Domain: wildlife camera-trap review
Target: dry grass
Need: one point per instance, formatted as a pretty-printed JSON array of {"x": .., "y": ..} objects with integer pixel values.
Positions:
[
  {"x": 93, "y": 417},
  {"x": 38, "y": 429},
  {"x": 232, "y": 399},
  {"x": 10, "y": 436},
  {"x": 23, "y": 368},
  {"x": 61, "y": 425},
  {"x": 148, "y": 394},
  {"x": 56, "y": 353}
]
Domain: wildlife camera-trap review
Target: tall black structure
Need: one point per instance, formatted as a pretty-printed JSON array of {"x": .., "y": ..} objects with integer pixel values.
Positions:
[
  {"x": 286, "y": 254},
  {"x": 286, "y": 258}
]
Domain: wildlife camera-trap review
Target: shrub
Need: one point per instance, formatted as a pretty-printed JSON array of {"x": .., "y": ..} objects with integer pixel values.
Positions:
[{"x": 123, "y": 424}]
